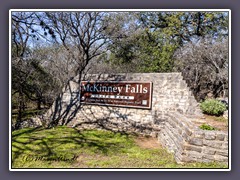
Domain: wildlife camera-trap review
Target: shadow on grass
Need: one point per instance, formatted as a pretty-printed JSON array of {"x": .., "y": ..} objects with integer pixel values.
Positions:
[
  {"x": 68, "y": 141},
  {"x": 26, "y": 131}
]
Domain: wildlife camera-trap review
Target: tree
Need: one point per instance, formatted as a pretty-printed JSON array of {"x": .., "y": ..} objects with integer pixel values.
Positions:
[
  {"x": 82, "y": 34},
  {"x": 204, "y": 66},
  {"x": 78, "y": 37},
  {"x": 182, "y": 27},
  {"x": 30, "y": 81},
  {"x": 154, "y": 53},
  {"x": 21, "y": 28},
  {"x": 56, "y": 61},
  {"x": 137, "y": 48},
  {"x": 146, "y": 41}
]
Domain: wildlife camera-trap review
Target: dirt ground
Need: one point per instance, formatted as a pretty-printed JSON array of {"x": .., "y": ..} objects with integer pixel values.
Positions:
[
  {"x": 219, "y": 123},
  {"x": 147, "y": 142}
]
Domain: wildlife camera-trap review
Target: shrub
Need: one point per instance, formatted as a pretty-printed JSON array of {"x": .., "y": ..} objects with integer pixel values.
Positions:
[
  {"x": 213, "y": 107},
  {"x": 206, "y": 127}
]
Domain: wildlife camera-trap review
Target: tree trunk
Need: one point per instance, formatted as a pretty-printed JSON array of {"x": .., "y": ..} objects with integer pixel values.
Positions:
[
  {"x": 20, "y": 109},
  {"x": 39, "y": 104}
]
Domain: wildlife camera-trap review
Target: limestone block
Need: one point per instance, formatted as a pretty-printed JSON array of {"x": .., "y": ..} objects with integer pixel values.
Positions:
[
  {"x": 199, "y": 134},
  {"x": 192, "y": 148},
  {"x": 224, "y": 146},
  {"x": 209, "y": 151},
  {"x": 210, "y": 157},
  {"x": 196, "y": 141},
  {"x": 220, "y": 137},
  {"x": 213, "y": 144},
  {"x": 210, "y": 135},
  {"x": 221, "y": 158},
  {"x": 194, "y": 155},
  {"x": 222, "y": 153}
]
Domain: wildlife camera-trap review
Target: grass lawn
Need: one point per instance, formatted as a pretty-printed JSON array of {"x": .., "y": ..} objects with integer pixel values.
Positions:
[{"x": 64, "y": 147}]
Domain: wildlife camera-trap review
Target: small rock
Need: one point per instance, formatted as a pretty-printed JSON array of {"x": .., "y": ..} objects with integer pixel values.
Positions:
[{"x": 225, "y": 114}]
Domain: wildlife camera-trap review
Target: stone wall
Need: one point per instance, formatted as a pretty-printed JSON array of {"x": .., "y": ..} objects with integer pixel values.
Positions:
[
  {"x": 170, "y": 91},
  {"x": 191, "y": 144},
  {"x": 169, "y": 119}
]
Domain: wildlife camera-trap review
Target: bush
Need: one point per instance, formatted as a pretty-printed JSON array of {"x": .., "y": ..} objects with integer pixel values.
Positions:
[
  {"x": 206, "y": 127},
  {"x": 213, "y": 107}
]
